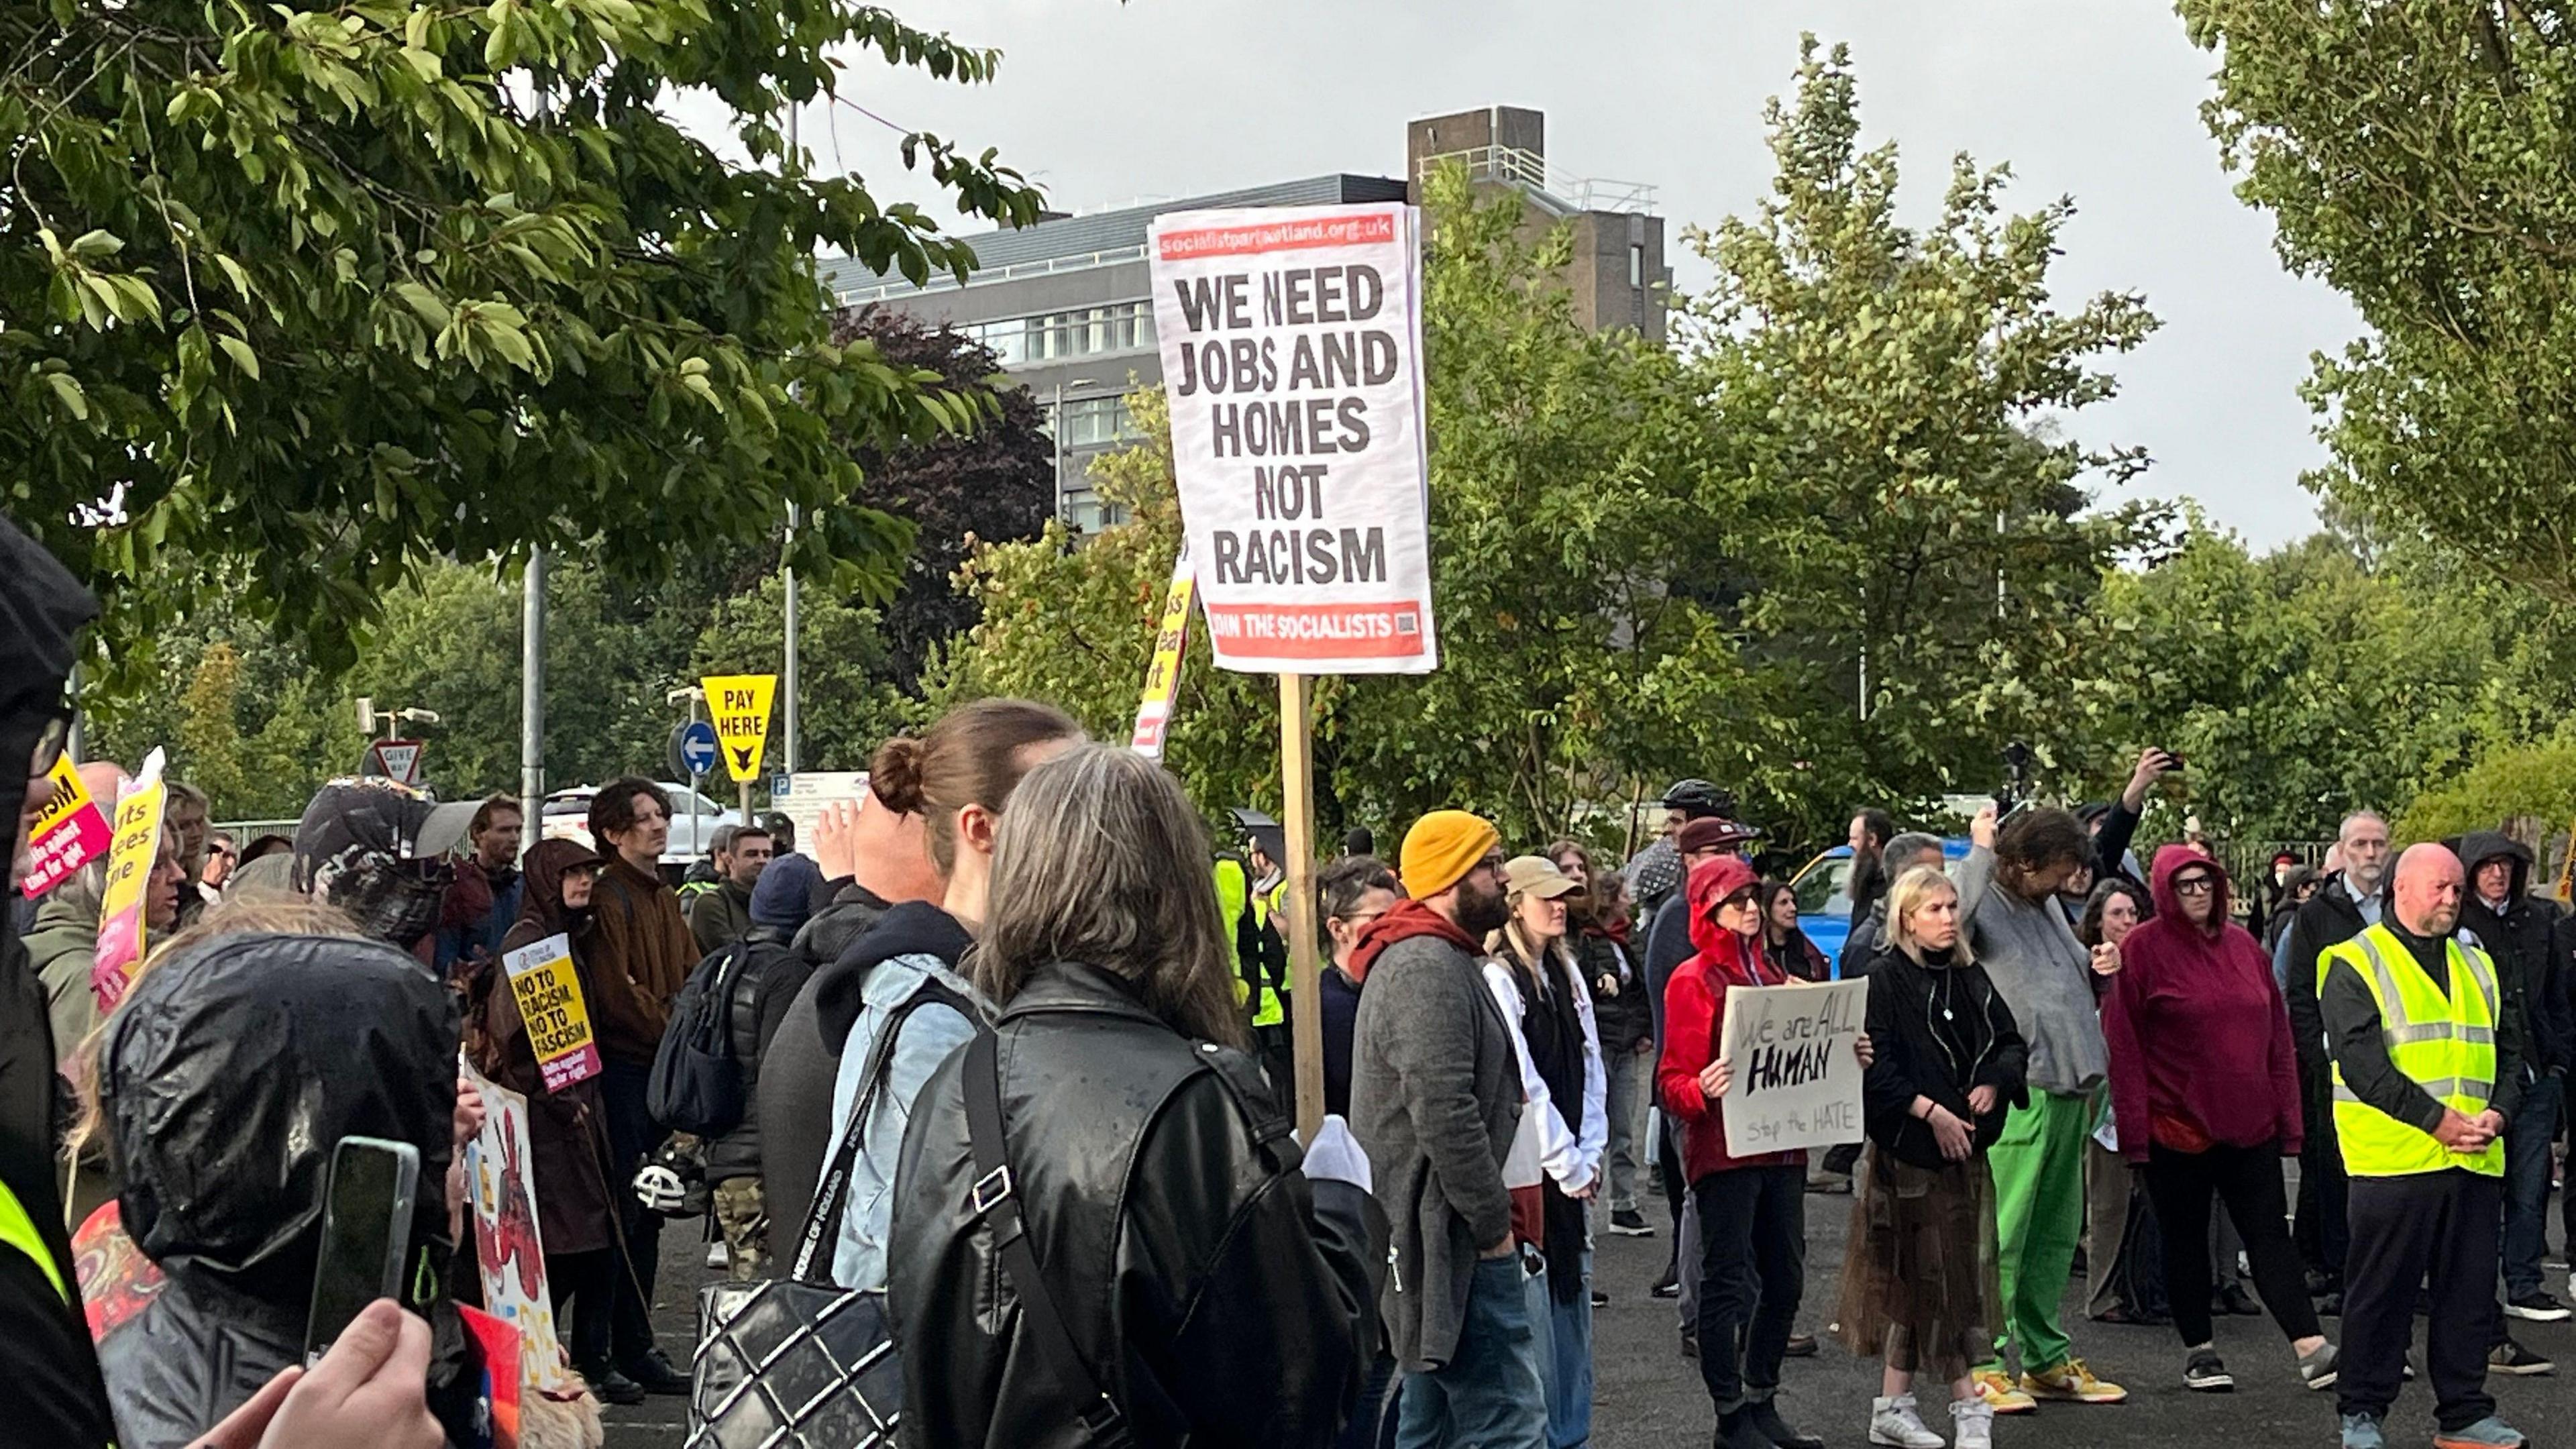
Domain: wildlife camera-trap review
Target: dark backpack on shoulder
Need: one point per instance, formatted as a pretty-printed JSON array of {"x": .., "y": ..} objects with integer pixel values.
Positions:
[{"x": 697, "y": 1083}]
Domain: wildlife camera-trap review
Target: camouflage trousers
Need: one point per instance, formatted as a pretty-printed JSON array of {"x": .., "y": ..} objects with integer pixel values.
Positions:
[{"x": 743, "y": 1217}]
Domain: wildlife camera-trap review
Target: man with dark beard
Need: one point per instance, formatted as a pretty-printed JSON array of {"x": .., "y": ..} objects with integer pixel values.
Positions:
[{"x": 1436, "y": 1093}]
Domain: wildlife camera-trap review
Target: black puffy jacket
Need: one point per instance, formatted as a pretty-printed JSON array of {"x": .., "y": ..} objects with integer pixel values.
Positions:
[
  {"x": 1223, "y": 1298},
  {"x": 753, "y": 1017}
]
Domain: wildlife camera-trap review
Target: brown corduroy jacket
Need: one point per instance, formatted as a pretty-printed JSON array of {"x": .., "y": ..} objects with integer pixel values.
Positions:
[{"x": 640, "y": 956}]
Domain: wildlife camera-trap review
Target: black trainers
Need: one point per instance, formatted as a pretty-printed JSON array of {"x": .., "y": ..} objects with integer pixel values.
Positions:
[
  {"x": 1667, "y": 1286},
  {"x": 2204, "y": 1373},
  {"x": 2510, "y": 1357},
  {"x": 2320, "y": 1369},
  {"x": 1600, "y": 1299},
  {"x": 1800, "y": 1345},
  {"x": 1630, "y": 1223},
  {"x": 2537, "y": 1306}
]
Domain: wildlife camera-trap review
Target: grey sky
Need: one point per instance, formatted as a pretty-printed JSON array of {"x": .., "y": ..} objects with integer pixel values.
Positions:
[{"x": 1104, "y": 104}]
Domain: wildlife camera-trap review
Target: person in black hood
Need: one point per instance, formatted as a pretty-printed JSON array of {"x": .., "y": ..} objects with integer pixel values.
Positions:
[
  {"x": 227, "y": 1078},
  {"x": 55, "y": 1394},
  {"x": 2518, "y": 930}
]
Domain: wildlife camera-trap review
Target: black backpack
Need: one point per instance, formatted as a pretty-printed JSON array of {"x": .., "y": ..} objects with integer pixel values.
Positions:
[{"x": 697, "y": 1081}]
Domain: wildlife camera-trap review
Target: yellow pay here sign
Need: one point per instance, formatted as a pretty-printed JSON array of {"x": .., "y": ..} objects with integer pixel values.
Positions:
[
  {"x": 739, "y": 705},
  {"x": 558, "y": 1020}
]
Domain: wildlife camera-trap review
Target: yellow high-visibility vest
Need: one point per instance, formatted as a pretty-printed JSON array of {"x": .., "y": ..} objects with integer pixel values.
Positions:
[
  {"x": 18, "y": 1231},
  {"x": 2445, "y": 1043}
]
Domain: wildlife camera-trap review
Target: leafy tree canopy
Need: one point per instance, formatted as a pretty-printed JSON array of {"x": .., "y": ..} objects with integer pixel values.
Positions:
[
  {"x": 334, "y": 289},
  {"x": 2416, "y": 157}
]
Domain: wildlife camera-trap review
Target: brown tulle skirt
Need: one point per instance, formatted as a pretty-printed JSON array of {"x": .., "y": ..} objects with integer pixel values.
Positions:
[{"x": 1919, "y": 1282}]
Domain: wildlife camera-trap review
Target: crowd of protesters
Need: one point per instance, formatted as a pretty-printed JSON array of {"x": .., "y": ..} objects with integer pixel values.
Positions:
[{"x": 998, "y": 1057}]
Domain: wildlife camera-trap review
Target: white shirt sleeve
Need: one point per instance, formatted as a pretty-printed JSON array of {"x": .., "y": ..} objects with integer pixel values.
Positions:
[
  {"x": 1594, "y": 1139},
  {"x": 1559, "y": 1153}
]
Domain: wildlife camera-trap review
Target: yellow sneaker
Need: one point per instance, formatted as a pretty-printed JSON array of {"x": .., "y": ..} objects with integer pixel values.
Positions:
[
  {"x": 2073, "y": 1381},
  {"x": 1995, "y": 1388}
]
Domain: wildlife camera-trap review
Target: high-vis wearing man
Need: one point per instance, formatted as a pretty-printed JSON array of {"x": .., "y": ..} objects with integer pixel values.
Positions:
[{"x": 2426, "y": 1071}]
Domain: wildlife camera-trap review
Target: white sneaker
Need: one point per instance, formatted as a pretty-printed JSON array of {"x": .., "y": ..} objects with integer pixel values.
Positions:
[
  {"x": 1894, "y": 1422},
  {"x": 1976, "y": 1423},
  {"x": 716, "y": 1257}
]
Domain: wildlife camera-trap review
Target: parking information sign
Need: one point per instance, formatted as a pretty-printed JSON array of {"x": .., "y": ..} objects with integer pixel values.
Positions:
[
  {"x": 740, "y": 704},
  {"x": 1292, "y": 356}
]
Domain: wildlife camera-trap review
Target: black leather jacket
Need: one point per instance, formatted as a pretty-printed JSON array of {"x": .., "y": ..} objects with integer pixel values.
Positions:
[{"x": 1221, "y": 1297}]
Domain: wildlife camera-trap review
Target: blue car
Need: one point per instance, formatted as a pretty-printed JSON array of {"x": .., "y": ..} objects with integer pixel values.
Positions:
[{"x": 1824, "y": 896}]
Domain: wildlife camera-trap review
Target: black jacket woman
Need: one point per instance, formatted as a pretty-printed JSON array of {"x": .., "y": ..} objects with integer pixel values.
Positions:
[
  {"x": 1210, "y": 1291},
  {"x": 1920, "y": 1283}
]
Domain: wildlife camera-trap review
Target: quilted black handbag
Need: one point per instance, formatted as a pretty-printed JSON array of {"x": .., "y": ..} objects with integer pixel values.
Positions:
[{"x": 797, "y": 1362}]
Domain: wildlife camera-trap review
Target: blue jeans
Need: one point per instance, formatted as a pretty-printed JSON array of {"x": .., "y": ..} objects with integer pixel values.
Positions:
[
  {"x": 1569, "y": 1377},
  {"x": 1489, "y": 1395},
  {"x": 2526, "y": 1184}
]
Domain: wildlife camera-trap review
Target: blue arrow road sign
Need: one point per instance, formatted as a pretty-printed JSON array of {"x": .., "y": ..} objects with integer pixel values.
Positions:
[{"x": 698, "y": 746}]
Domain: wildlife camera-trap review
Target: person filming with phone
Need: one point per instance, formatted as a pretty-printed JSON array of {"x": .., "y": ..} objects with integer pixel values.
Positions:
[{"x": 282, "y": 1105}]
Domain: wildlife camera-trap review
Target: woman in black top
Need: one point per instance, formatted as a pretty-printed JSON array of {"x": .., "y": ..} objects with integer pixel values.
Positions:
[{"x": 1920, "y": 1286}]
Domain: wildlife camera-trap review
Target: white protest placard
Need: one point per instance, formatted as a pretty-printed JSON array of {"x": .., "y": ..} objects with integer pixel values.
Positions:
[
  {"x": 1292, "y": 358},
  {"x": 1797, "y": 1075}
]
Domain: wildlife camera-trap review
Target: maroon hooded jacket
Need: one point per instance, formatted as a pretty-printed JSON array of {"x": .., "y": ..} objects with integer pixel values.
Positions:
[
  {"x": 1695, "y": 1021},
  {"x": 2199, "y": 1035}
]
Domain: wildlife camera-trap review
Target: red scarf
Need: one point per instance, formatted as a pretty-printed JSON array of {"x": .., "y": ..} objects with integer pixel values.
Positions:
[{"x": 1408, "y": 920}]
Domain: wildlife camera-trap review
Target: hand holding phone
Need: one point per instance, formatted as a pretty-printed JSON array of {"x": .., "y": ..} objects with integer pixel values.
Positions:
[
  {"x": 369, "y": 1392},
  {"x": 366, "y": 1231}
]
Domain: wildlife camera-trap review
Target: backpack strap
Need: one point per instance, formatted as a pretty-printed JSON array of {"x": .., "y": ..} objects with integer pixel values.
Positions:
[
  {"x": 994, "y": 1199},
  {"x": 832, "y": 1194}
]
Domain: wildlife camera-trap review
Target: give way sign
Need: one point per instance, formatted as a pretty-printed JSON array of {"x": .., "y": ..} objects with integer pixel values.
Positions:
[{"x": 398, "y": 759}]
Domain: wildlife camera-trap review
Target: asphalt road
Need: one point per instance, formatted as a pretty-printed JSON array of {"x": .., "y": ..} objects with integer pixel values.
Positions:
[{"x": 1647, "y": 1397}]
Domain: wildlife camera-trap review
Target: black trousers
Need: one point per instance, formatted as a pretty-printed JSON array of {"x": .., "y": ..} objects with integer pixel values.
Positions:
[
  {"x": 2442, "y": 1224},
  {"x": 2323, "y": 1209},
  {"x": 2248, "y": 1181},
  {"x": 1753, "y": 1271},
  {"x": 588, "y": 1281},
  {"x": 632, "y": 1136},
  {"x": 1668, "y": 1171}
]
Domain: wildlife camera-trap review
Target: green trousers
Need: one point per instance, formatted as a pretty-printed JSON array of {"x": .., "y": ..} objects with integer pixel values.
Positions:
[{"x": 2038, "y": 1166}]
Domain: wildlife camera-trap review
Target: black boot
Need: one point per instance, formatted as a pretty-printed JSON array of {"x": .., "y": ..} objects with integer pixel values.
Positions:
[
  {"x": 1765, "y": 1418},
  {"x": 1736, "y": 1431}
]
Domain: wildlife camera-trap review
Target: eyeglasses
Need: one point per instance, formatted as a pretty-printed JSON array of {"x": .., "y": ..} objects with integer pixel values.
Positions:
[
  {"x": 2194, "y": 885},
  {"x": 1359, "y": 919}
]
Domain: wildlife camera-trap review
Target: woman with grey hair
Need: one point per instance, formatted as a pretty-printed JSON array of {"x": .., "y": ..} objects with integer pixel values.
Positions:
[{"x": 1103, "y": 1231}]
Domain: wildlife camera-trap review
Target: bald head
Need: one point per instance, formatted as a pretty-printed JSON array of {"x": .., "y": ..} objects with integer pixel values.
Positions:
[{"x": 2428, "y": 890}]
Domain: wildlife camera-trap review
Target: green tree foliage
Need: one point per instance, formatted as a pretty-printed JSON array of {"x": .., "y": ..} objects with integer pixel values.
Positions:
[
  {"x": 336, "y": 290},
  {"x": 2303, "y": 684},
  {"x": 1889, "y": 394},
  {"x": 995, "y": 483},
  {"x": 2416, "y": 157},
  {"x": 2525, "y": 782}
]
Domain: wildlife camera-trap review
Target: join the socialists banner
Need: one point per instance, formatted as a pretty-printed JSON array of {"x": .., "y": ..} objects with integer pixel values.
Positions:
[{"x": 1292, "y": 357}]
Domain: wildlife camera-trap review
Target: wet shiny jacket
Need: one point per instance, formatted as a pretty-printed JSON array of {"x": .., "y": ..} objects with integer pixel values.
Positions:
[{"x": 1223, "y": 1298}]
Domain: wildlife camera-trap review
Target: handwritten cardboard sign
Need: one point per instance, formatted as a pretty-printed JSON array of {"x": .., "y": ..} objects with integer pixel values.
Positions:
[
  {"x": 70, "y": 833},
  {"x": 549, "y": 997},
  {"x": 1797, "y": 1075}
]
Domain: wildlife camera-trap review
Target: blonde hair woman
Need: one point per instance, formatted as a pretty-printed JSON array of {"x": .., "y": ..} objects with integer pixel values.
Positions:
[{"x": 1919, "y": 1285}]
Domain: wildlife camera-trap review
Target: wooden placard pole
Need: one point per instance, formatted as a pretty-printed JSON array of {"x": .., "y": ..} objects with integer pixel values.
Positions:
[{"x": 1305, "y": 1001}]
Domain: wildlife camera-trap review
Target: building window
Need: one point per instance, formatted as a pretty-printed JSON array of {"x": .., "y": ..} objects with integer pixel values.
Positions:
[
  {"x": 1092, "y": 422},
  {"x": 1092, "y": 331},
  {"x": 1637, "y": 265}
]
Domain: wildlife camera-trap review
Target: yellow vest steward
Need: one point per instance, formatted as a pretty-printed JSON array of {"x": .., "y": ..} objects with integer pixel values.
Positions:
[
  {"x": 1234, "y": 896},
  {"x": 2446, "y": 1044}
]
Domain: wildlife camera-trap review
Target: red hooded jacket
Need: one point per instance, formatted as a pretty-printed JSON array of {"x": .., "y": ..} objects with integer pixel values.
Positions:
[
  {"x": 2199, "y": 1035},
  {"x": 1695, "y": 1021}
]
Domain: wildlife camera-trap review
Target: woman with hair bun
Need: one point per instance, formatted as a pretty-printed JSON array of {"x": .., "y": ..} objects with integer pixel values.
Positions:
[{"x": 903, "y": 981}]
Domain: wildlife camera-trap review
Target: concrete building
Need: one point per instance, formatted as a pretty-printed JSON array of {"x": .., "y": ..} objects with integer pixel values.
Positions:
[{"x": 1066, "y": 304}]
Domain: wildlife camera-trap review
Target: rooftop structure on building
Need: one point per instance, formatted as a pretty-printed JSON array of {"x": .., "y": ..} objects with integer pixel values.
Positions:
[{"x": 1066, "y": 304}]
